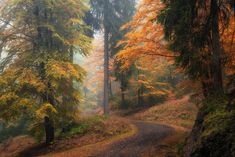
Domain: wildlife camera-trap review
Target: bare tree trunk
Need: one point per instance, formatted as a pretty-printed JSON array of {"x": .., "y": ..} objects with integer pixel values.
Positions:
[
  {"x": 49, "y": 130},
  {"x": 216, "y": 48},
  {"x": 123, "y": 97},
  {"x": 123, "y": 101},
  {"x": 140, "y": 93},
  {"x": 106, "y": 62},
  {"x": 122, "y": 91},
  {"x": 110, "y": 89},
  {"x": 140, "y": 96}
]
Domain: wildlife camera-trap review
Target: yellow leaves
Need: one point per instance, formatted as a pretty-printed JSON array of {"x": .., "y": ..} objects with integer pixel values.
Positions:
[
  {"x": 76, "y": 21},
  {"x": 8, "y": 77},
  {"x": 82, "y": 43},
  {"x": 77, "y": 96},
  {"x": 7, "y": 98},
  {"x": 11, "y": 106},
  {"x": 156, "y": 93},
  {"x": 35, "y": 71},
  {"x": 29, "y": 78},
  {"x": 21, "y": 78},
  {"x": 46, "y": 110},
  {"x": 56, "y": 70},
  {"x": 23, "y": 102}
]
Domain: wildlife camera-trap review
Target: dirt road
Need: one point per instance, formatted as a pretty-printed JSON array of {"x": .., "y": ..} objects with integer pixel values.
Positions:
[{"x": 149, "y": 135}]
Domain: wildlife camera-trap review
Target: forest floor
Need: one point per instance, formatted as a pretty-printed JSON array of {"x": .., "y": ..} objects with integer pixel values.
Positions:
[
  {"x": 158, "y": 131},
  {"x": 90, "y": 130},
  {"x": 179, "y": 114},
  {"x": 136, "y": 145}
]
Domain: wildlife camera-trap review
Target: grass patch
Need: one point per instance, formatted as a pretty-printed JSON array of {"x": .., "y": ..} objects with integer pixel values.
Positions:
[
  {"x": 79, "y": 130},
  {"x": 179, "y": 112}
]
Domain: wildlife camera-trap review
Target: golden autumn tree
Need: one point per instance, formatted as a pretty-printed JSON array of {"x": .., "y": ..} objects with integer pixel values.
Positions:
[
  {"x": 145, "y": 49},
  {"x": 146, "y": 36},
  {"x": 38, "y": 79}
]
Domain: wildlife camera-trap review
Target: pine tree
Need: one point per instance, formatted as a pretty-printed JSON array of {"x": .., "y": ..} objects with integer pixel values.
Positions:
[
  {"x": 111, "y": 15},
  {"x": 194, "y": 29}
]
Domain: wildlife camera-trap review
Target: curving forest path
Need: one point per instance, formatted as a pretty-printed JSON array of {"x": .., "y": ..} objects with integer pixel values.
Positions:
[{"x": 148, "y": 136}]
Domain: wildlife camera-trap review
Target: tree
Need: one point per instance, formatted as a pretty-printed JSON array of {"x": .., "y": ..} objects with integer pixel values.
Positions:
[
  {"x": 194, "y": 29},
  {"x": 145, "y": 35},
  {"x": 39, "y": 79},
  {"x": 198, "y": 31},
  {"x": 143, "y": 43},
  {"x": 111, "y": 15}
]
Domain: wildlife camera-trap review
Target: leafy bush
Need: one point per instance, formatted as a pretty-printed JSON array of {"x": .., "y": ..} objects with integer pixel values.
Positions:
[{"x": 17, "y": 129}]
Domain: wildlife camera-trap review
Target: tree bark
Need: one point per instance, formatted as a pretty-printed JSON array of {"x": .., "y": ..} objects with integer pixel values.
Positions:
[
  {"x": 140, "y": 92},
  {"x": 110, "y": 89},
  {"x": 106, "y": 61},
  {"x": 122, "y": 91},
  {"x": 140, "y": 96},
  {"x": 216, "y": 48},
  {"x": 49, "y": 130},
  {"x": 123, "y": 97}
]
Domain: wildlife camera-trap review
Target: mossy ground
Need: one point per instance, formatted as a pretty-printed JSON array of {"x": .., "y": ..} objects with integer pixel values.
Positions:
[{"x": 214, "y": 130}]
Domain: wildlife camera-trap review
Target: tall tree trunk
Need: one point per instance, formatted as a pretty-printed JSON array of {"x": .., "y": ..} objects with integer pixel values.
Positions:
[
  {"x": 49, "y": 130},
  {"x": 140, "y": 92},
  {"x": 140, "y": 96},
  {"x": 106, "y": 61},
  {"x": 123, "y": 102},
  {"x": 110, "y": 89},
  {"x": 44, "y": 40},
  {"x": 123, "y": 97},
  {"x": 216, "y": 48},
  {"x": 122, "y": 91}
]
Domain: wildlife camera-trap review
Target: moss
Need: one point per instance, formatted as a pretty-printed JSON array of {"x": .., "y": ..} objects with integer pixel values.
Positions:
[
  {"x": 216, "y": 137},
  {"x": 81, "y": 129}
]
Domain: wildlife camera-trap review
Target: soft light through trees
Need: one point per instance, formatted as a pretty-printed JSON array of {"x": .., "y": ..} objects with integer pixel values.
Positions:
[
  {"x": 111, "y": 16},
  {"x": 94, "y": 66}
]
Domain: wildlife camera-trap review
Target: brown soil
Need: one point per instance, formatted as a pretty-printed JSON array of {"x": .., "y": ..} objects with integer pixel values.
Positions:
[
  {"x": 13, "y": 146},
  {"x": 148, "y": 136}
]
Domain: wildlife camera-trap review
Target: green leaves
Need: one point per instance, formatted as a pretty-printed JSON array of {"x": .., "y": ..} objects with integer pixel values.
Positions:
[{"x": 39, "y": 78}]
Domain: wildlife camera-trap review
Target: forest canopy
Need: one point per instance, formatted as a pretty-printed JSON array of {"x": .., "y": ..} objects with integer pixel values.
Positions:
[{"x": 67, "y": 67}]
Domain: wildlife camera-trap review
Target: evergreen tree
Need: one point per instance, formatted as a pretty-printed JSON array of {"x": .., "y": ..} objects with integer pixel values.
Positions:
[
  {"x": 193, "y": 29},
  {"x": 111, "y": 15}
]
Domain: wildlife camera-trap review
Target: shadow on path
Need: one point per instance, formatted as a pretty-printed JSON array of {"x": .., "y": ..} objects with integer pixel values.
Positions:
[{"x": 149, "y": 134}]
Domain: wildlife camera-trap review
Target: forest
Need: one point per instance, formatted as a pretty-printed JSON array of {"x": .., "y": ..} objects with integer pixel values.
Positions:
[{"x": 117, "y": 78}]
